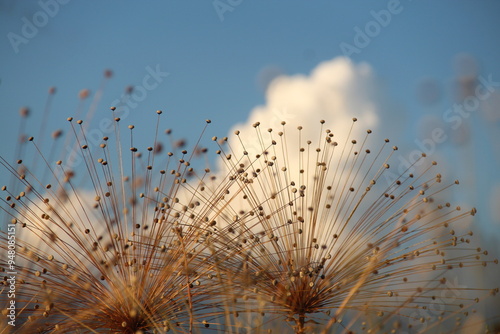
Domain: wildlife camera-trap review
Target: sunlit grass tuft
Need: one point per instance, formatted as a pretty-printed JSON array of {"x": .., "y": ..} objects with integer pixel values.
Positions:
[
  {"x": 327, "y": 237},
  {"x": 287, "y": 234}
]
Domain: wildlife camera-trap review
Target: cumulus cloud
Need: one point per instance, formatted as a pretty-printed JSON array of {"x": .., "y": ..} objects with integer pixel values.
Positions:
[{"x": 334, "y": 91}]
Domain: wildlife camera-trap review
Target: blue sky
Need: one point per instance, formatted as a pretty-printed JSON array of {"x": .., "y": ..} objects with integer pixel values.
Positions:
[
  {"x": 214, "y": 59},
  {"x": 213, "y": 64}
]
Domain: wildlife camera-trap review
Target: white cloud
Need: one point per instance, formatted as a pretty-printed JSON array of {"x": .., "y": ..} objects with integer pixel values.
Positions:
[{"x": 335, "y": 91}]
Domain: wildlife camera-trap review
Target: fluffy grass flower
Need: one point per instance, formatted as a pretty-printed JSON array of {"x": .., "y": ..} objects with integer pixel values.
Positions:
[
  {"x": 326, "y": 236},
  {"x": 111, "y": 250}
]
